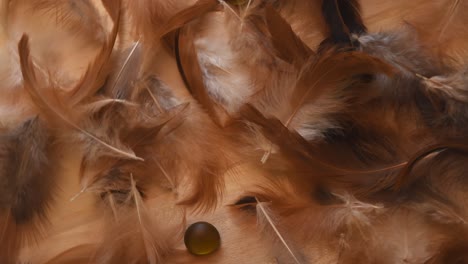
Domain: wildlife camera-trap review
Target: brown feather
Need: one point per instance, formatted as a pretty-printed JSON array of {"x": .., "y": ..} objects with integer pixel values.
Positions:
[
  {"x": 405, "y": 179},
  {"x": 127, "y": 71},
  {"x": 322, "y": 81},
  {"x": 194, "y": 78},
  {"x": 53, "y": 105},
  {"x": 81, "y": 17},
  {"x": 288, "y": 45},
  {"x": 161, "y": 129},
  {"x": 27, "y": 185},
  {"x": 442, "y": 29},
  {"x": 139, "y": 239},
  {"x": 96, "y": 73},
  {"x": 187, "y": 15}
]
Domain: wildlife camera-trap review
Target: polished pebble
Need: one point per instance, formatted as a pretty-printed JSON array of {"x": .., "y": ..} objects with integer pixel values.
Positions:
[{"x": 202, "y": 238}]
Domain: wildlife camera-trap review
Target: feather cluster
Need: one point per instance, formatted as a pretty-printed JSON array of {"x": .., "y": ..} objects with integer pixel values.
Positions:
[{"x": 360, "y": 136}]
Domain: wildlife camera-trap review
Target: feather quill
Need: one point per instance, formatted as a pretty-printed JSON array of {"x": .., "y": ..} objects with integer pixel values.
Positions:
[
  {"x": 264, "y": 218},
  {"x": 127, "y": 73},
  {"x": 404, "y": 178}
]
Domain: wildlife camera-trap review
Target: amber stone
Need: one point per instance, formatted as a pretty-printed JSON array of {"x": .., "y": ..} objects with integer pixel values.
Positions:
[{"x": 202, "y": 238}]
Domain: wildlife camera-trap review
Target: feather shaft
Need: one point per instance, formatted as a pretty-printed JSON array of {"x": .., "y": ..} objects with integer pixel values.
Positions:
[{"x": 277, "y": 232}]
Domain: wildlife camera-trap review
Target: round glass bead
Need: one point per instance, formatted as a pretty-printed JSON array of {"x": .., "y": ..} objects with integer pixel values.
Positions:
[{"x": 202, "y": 238}]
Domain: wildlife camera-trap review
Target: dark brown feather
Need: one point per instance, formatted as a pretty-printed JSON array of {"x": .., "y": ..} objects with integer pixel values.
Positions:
[
  {"x": 343, "y": 19},
  {"x": 27, "y": 185}
]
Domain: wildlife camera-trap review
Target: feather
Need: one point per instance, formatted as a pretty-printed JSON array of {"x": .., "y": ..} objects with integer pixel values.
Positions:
[
  {"x": 291, "y": 143},
  {"x": 332, "y": 73},
  {"x": 451, "y": 13},
  {"x": 434, "y": 188},
  {"x": 332, "y": 227},
  {"x": 162, "y": 131},
  {"x": 187, "y": 15},
  {"x": 193, "y": 78},
  {"x": 26, "y": 185},
  {"x": 403, "y": 49},
  {"x": 440, "y": 98},
  {"x": 414, "y": 60},
  {"x": 404, "y": 237},
  {"x": 446, "y": 95},
  {"x": 186, "y": 52},
  {"x": 275, "y": 217},
  {"x": 316, "y": 80},
  {"x": 26, "y": 167},
  {"x": 52, "y": 105},
  {"x": 323, "y": 79},
  {"x": 228, "y": 46},
  {"x": 364, "y": 150},
  {"x": 9, "y": 238},
  {"x": 4, "y": 6},
  {"x": 404, "y": 178},
  {"x": 452, "y": 86},
  {"x": 288, "y": 45},
  {"x": 165, "y": 17},
  {"x": 137, "y": 225},
  {"x": 265, "y": 220},
  {"x": 454, "y": 251},
  {"x": 96, "y": 73},
  {"x": 445, "y": 41},
  {"x": 343, "y": 19},
  {"x": 313, "y": 165},
  {"x": 118, "y": 83},
  {"x": 146, "y": 15},
  {"x": 440, "y": 209},
  {"x": 76, "y": 255},
  {"x": 442, "y": 29},
  {"x": 57, "y": 39},
  {"x": 80, "y": 17},
  {"x": 142, "y": 137}
]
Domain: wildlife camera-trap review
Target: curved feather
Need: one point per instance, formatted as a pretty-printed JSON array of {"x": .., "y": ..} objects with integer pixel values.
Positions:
[{"x": 52, "y": 105}]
